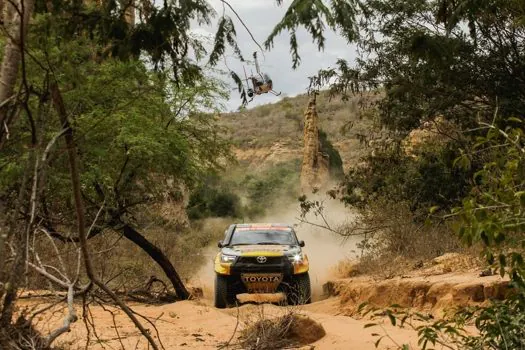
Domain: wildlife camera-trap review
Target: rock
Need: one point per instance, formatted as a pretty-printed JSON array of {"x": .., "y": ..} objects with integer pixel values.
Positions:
[
  {"x": 485, "y": 273},
  {"x": 305, "y": 330},
  {"x": 315, "y": 167}
]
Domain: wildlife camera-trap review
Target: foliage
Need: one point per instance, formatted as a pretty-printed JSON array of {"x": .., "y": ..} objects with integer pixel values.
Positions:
[
  {"x": 134, "y": 104},
  {"x": 161, "y": 32},
  {"x": 389, "y": 238},
  {"x": 492, "y": 213},
  {"x": 426, "y": 64},
  {"x": 313, "y": 15},
  {"x": 147, "y": 131},
  {"x": 214, "y": 198},
  {"x": 460, "y": 61},
  {"x": 334, "y": 158},
  {"x": 500, "y": 325},
  {"x": 428, "y": 178}
]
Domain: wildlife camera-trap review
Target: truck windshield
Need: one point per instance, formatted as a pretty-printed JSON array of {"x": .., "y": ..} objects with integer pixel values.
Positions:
[{"x": 262, "y": 237}]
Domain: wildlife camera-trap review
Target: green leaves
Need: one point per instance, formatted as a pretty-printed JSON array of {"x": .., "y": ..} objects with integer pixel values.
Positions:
[
  {"x": 240, "y": 87},
  {"x": 520, "y": 195},
  {"x": 314, "y": 15},
  {"x": 225, "y": 35},
  {"x": 493, "y": 211}
]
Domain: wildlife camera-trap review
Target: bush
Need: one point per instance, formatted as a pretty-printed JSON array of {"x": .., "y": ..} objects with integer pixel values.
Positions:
[
  {"x": 335, "y": 161},
  {"x": 125, "y": 266},
  {"x": 213, "y": 199},
  {"x": 286, "y": 331},
  {"x": 394, "y": 240},
  {"x": 499, "y": 325},
  {"x": 428, "y": 179}
]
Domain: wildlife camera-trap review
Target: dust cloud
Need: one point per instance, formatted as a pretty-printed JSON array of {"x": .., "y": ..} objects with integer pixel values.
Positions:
[{"x": 324, "y": 249}]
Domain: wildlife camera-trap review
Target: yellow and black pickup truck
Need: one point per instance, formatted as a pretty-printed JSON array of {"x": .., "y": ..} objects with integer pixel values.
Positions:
[{"x": 261, "y": 258}]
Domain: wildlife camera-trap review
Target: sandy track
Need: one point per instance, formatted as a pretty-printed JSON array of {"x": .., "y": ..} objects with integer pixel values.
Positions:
[{"x": 198, "y": 325}]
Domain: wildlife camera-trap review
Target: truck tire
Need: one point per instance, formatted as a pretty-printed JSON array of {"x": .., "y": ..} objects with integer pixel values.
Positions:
[
  {"x": 223, "y": 295},
  {"x": 300, "y": 291}
]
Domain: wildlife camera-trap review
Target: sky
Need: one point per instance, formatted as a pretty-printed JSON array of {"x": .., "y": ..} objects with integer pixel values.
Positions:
[{"x": 261, "y": 16}]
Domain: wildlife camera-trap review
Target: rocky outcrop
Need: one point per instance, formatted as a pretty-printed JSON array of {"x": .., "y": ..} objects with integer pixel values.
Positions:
[
  {"x": 261, "y": 157},
  {"x": 435, "y": 295},
  {"x": 315, "y": 167}
]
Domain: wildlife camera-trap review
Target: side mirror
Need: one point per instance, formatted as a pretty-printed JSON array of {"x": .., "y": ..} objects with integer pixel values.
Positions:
[
  {"x": 301, "y": 243},
  {"x": 219, "y": 244}
]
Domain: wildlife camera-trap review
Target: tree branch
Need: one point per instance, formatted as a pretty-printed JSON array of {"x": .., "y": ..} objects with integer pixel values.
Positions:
[
  {"x": 68, "y": 320},
  {"x": 244, "y": 25},
  {"x": 79, "y": 206}
]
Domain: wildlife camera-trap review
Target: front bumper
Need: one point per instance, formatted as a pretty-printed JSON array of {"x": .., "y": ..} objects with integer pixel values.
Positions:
[{"x": 248, "y": 275}]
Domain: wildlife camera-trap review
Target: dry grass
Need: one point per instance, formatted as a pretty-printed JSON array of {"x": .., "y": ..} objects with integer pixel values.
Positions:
[
  {"x": 125, "y": 266},
  {"x": 346, "y": 268},
  {"x": 22, "y": 336},
  {"x": 400, "y": 244},
  {"x": 287, "y": 331},
  {"x": 283, "y": 121}
]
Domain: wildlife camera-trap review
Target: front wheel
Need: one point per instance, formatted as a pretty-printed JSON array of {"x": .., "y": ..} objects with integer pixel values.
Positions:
[
  {"x": 223, "y": 294},
  {"x": 300, "y": 290}
]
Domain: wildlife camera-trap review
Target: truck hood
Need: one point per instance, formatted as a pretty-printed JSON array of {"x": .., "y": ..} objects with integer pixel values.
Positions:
[{"x": 258, "y": 249}]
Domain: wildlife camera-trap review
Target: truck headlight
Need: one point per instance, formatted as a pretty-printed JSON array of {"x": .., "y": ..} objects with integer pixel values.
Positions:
[
  {"x": 227, "y": 258},
  {"x": 296, "y": 259}
]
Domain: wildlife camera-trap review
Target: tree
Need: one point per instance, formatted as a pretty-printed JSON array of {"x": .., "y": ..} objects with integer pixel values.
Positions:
[
  {"x": 15, "y": 19},
  {"x": 125, "y": 145},
  {"x": 456, "y": 59}
]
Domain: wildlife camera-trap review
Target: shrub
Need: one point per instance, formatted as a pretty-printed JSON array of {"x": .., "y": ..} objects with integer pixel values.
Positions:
[
  {"x": 214, "y": 198},
  {"x": 428, "y": 179},
  {"x": 286, "y": 331},
  {"x": 335, "y": 161}
]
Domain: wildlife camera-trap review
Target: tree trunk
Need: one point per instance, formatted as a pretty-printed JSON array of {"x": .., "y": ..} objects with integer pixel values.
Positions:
[
  {"x": 156, "y": 254},
  {"x": 12, "y": 281},
  {"x": 16, "y": 29}
]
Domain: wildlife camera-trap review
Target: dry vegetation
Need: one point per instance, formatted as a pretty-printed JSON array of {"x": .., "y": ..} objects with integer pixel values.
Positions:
[
  {"x": 289, "y": 330},
  {"x": 125, "y": 267},
  {"x": 263, "y": 126},
  {"x": 397, "y": 243}
]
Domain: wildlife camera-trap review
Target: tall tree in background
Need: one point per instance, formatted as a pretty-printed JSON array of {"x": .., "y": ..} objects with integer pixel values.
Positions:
[
  {"x": 432, "y": 57},
  {"x": 15, "y": 18}
]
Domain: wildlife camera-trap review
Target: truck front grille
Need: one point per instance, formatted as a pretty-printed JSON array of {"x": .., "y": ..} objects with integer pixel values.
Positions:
[{"x": 270, "y": 260}]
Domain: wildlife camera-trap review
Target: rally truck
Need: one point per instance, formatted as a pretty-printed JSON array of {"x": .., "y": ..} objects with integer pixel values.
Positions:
[{"x": 261, "y": 258}]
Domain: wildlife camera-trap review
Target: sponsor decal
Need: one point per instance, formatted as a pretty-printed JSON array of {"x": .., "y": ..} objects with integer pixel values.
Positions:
[
  {"x": 268, "y": 248},
  {"x": 264, "y": 279}
]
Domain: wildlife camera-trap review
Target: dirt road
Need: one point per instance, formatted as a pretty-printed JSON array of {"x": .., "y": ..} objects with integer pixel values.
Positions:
[{"x": 198, "y": 325}]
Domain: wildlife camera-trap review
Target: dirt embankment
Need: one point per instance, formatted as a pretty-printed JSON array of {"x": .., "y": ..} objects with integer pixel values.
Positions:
[{"x": 436, "y": 289}]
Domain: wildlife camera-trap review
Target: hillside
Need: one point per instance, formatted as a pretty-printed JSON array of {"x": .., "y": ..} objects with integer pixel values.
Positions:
[{"x": 273, "y": 133}]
